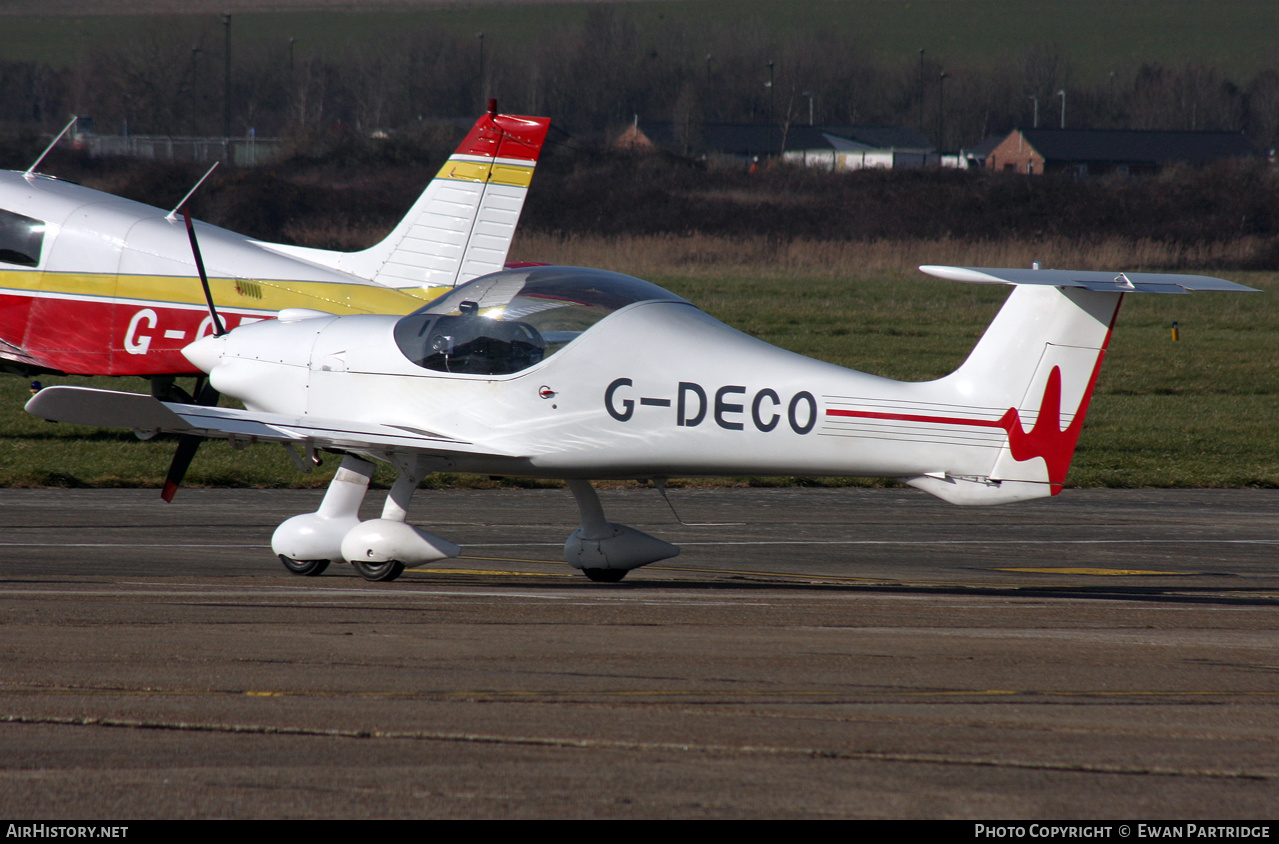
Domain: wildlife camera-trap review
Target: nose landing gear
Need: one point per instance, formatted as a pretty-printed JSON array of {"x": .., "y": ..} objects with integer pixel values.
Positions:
[{"x": 379, "y": 549}]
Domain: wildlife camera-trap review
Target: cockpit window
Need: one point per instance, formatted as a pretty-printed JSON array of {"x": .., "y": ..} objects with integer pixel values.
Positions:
[
  {"x": 506, "y": 322},
  {"x": 20, "y": 239}
]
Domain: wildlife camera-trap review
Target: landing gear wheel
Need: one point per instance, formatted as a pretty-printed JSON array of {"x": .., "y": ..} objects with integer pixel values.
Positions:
[
  {"x": 379, "y": 572},
  {"x": 306, "y": 568},
  {"x": 605, "y": 575}
]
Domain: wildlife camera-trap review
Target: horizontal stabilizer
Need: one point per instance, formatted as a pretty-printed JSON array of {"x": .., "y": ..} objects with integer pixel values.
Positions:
[
  {"x": 1106, "y": 281},
  {"x": 88, "y": 406}
]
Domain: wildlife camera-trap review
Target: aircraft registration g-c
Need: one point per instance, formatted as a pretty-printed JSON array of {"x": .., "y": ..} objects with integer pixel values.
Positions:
[
  {"x": 578, "y": 374},
  {"x": 92, "y": 284}
]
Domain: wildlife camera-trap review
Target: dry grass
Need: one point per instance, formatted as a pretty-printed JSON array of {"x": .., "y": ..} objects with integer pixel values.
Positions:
[{"x": 667, "y": 254}]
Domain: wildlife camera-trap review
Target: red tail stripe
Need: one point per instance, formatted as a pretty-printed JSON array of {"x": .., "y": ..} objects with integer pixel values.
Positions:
[
  {"x": 507, "y": 136},
  {"x": 1045, "y": 439}
]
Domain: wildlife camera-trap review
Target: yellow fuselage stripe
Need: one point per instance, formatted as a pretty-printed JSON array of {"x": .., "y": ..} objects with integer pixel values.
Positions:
[{"x": 252, "y": 294}]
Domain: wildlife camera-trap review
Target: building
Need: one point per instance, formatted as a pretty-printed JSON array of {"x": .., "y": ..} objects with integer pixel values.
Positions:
[
  {"x": 1086, "y": 152},
  {"x": 858, "y": 147},
  {"x": 828, "y": 147}
]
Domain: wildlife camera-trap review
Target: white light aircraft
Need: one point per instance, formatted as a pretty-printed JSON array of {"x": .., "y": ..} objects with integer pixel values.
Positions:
[
  {"x": 93, "y": 284},
  {"x": 578, "y": 374}
]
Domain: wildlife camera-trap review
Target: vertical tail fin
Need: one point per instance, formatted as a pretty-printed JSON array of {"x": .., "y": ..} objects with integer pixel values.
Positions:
[
  {"x": 1040, "y": 359},
  {"x": 462, "y": 224}
]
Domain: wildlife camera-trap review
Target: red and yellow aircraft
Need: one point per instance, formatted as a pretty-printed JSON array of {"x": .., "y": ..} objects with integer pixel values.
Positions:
[{"x": 92, "y": 284}]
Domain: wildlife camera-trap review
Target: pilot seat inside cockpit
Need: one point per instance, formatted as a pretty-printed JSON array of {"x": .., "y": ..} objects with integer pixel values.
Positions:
[{"x": 476, "y": 345}]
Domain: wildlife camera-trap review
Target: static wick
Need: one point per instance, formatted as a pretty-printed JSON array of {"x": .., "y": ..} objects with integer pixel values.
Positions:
[{"x": 660, "y": 483}]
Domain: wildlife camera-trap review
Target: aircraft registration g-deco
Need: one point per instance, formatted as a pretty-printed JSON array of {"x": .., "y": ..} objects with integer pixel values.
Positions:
[
  {"x": 580, "y": 374},
  {"x": 92, "y": 284}
]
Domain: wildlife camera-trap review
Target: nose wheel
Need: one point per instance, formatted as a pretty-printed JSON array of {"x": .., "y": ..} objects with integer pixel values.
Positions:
[
  {"x": 306, "y": 568},
  {"x": 379, "y": 549}
]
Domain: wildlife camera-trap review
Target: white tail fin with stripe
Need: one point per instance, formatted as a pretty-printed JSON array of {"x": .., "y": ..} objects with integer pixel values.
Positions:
[
  {"x": 462, "y": 225},
  {"x": 1040, "y": 359}
]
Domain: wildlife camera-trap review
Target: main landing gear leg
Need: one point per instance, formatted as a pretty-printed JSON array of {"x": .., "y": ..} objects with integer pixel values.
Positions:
[
  {"x": 306, "y": 544},
  {"x": 604, "y": 551},
  {"x": 380, "y": 549}
]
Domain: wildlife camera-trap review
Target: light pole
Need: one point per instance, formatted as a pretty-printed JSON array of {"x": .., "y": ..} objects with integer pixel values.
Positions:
[
  {"x": 770, "y": 93},
  {"x": 1062, "y": 94},
  {"x": 79, "y": 68},
  {"x": 809, "y": 94},
  {"x": 480, "y": 36},
  {"x": 195, "y": 79},
  {"x": 941, "y": 113},
  {"x": 1034, "y": 98},
  {"x": 770, "y": 106},
  {"x": 292, "y": 86},
  {"x": 226, "y": 88},
  {"x": 708, "y": 98},
  {"x": 921, "y": 90}
]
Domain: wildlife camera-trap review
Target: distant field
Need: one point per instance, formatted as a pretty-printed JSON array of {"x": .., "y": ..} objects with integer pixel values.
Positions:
[
  {"x": 1197, "y": 413},
  {"x": 1099, "y": 36}
]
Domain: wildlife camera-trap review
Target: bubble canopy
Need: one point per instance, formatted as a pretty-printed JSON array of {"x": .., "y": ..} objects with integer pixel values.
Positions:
[{"x": 505, "y": 322}]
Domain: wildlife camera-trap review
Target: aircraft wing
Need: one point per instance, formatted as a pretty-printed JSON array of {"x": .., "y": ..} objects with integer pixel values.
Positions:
[
  {"x": 1109, "y": 281},
  {"x": 143, "y": 413}
]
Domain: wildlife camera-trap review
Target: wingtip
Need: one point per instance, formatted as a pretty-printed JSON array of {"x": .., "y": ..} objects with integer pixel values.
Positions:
[{"x": 972, "y": 275}]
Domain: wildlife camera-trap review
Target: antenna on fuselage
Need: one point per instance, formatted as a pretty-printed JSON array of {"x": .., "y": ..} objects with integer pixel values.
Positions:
[
  {"x": 32, "y": 169},
  {"x": 660, "y": 485},
  {"x": 173, "y": 215}
]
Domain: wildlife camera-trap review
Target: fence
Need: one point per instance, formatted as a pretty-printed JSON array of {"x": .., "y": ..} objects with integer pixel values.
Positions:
[{"x": 240, "y": 151}]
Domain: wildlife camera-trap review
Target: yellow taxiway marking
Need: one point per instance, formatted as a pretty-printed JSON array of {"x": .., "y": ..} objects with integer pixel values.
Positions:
[
  {"x": 498, "y": 572},
  {"x": 493, "y": 572},
  {"x": 681, "y": 570},
  {"x": 839, "y": 578},
  {"x": 809, "y": 577},
  {"x": 1098, "y": 572},
  {"x": 831, "y": 578}
]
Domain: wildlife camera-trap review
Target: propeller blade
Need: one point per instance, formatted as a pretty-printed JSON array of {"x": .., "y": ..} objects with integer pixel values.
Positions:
[
  {"x": 218, "y": 328},
  {"x": 206, "y": 396},
  {"x": 187, "y": 445}
]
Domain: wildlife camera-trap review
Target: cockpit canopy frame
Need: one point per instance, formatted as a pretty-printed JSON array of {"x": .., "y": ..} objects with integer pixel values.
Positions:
[{"x": 506, "y": 322}]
